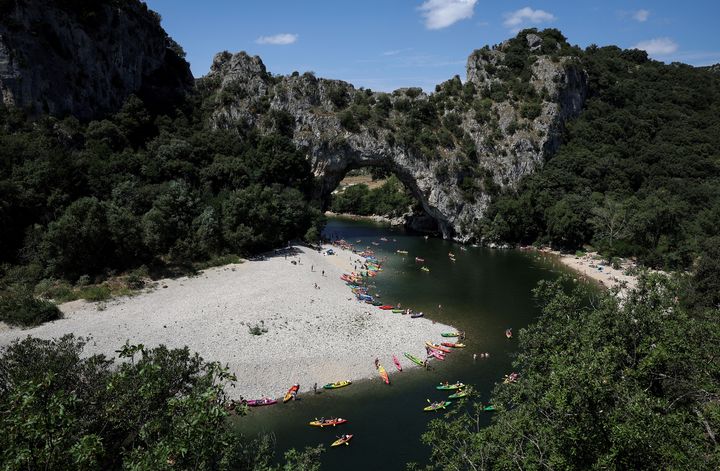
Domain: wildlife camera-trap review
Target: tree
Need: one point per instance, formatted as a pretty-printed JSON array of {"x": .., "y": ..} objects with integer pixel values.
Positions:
[
  {"x": 601, "y": 385},
  {"x": 610, "y": 222}
]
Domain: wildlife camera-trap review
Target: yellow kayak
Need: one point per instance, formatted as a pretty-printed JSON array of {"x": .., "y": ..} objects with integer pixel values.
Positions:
[
  {"x": 342, "y": 440},
  {"x": 383, "y": 374},
  {"x": 337, "y": 384}
]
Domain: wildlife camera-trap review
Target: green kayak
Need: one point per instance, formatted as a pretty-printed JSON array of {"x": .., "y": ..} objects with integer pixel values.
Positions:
[
  {"x": 446, "y": 386},
  {"x": 458, "y": 395},
  {"x": 414, "y": 359},
  {"x": 489, "y": 408},
  {"x": 437, "y": 406},
  {"x": 450, "y": 334},
  {"x": 398, "y": 311}
]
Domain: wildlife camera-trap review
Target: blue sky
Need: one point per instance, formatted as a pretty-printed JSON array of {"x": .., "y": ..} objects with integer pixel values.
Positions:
[{"x": 387, "y": 44}]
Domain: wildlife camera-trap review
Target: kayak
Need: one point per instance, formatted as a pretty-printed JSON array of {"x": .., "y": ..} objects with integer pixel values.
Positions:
[
  {"x": 458, "y": 394},
  {"x": 397, "y": 363},
  {"x": 419, "y": 260},
  {"x": 292, "y": 392},
  {"x": 415, "y": 315},
  {"x": 414, "y": 359},
  {"x": 327, "y": 422},
  {"x": 398, "y": 311},
  {"x": 446, "y": 386},
  {"x": 437, "y": 405},
  {"x": 383, "y": 374},
  {"x": 387, "y": 307},
  {"x": 453, "y": 345},
  {"x": 337, "y": 384},
  {"x": 437, "y": 354},
  {"x": 489, "y": 408},
  {"x": 424, "y": 268},
  {"x": 403, "y": 252},
  {"x": 437, "y": 347},
  {"x": 450, "y": 334},
  {"x": 261, "y": 402},
  {"x": 342, "y": 440}
]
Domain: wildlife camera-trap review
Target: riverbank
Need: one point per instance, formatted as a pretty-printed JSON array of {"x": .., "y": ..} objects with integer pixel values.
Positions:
[
  {"x": 398, "y": 221},
  {"x": 591, "y": 265},
  {"x": 306, "y": 334}
]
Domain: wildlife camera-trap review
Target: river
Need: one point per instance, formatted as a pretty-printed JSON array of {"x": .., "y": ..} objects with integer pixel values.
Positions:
[{"x": 483, "y": 292}]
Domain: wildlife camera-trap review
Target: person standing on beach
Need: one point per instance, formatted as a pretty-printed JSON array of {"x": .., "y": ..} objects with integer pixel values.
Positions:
[
  {"x": 312, "y": 267},
  {"x": 315, "y": 388}
]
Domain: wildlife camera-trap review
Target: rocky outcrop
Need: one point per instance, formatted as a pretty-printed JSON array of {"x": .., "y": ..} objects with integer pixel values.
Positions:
[
  {"x": 452, "y": 149},
  {"x": 85, "y": 58}
]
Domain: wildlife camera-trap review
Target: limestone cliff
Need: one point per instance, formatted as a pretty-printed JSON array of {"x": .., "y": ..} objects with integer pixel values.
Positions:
[
  {"x": 452, "y": 148},
  {"x": 84, "y": 58}
]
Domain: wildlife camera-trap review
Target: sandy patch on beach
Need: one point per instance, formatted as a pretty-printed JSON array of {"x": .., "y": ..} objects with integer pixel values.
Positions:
[{"x": 313, "y": 334}]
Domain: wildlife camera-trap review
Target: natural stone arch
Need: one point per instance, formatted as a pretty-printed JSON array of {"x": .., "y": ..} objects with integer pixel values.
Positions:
[{"x": 248, "y": 92}]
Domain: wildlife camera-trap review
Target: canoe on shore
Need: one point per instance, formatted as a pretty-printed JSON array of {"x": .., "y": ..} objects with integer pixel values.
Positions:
[
  {"x": 453, "y": 345},
  {"x": 437, "y": 347},
  {"x": 414, "y": 359},
  {"x": 397, "y": 363},
  {"x": 415, "y": 315},
  {"x": 383, "y": 374},
  {"x": 266, "y": 401},
  {"x": 450, "y": 334},
  {"x": 337, "y": 384},
  {"x": 387, "y": 307},
  {"x": 292, "y": 392}
]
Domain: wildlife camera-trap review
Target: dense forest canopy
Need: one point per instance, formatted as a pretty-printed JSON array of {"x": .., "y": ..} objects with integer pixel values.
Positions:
[{"x": 637, "y": 173}]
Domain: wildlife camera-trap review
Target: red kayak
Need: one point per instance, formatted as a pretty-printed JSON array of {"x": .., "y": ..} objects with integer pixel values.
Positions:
[
  {"x": 397, "y": 363},
  {"x": 261, "y": 402},
  {"x": 387, "y": 307}
]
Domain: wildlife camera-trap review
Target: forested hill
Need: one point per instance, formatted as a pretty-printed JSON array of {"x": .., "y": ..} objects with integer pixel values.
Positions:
[{"x": 638, "y": 172}]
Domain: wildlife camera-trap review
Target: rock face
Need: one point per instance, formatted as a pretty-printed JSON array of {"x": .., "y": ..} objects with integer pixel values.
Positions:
[
  {"x": 495, "y": 137},
  {"x": 84, "y": 58}
]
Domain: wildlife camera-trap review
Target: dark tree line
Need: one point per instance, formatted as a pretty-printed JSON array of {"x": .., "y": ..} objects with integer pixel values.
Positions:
[{"x": 637, "y": 174}]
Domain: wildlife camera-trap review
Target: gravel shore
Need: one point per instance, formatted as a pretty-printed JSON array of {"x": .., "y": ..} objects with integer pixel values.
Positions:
[{"x": 314, "y": 335}]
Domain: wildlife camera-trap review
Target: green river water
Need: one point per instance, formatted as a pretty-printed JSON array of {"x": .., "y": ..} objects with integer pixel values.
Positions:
[{"x": 484, "y": 292}]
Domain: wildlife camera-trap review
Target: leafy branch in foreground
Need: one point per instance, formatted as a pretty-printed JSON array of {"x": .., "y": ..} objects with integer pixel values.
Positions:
[{"x": 158, "y": 409}]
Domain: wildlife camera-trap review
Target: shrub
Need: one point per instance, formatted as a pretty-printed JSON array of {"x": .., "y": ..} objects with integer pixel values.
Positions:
[{"x": 23, "y": 309}]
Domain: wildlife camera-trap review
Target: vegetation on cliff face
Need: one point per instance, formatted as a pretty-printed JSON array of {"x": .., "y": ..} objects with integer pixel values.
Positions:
[
  {"x": 637, "y": 174},
  {"x": 602, "y": 385},
  {"x": 159, "y": 409}
]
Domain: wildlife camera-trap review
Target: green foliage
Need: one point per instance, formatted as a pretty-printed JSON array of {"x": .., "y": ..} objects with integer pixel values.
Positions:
[
  {"x": 643, "y": 153},
  {"x": 135, "y": 189},
  {"x": 602, "y": 385},
  {"x": 19, "y": 307},
  {"x": 157, "y": 409},
  {"x": 390, "y": 199}
]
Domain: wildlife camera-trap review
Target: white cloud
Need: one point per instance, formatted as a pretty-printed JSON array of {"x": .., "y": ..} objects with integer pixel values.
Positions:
[
  {"x": 525, "y": 16},
  {"x": 278, "y": 39},
  {"x": 440, "y": 14},
  {"x": 641, "y": 15},
  {"x": 657, "y": 46}
]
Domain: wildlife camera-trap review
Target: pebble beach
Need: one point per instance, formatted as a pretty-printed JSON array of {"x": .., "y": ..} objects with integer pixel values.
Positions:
[{"x": 313, "y": 334}]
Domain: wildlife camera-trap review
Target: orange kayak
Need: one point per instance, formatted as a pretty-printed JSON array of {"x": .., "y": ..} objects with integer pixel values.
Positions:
[
  {"x": 292, "y": 392},
  {"x": 383, "y": 374}
]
